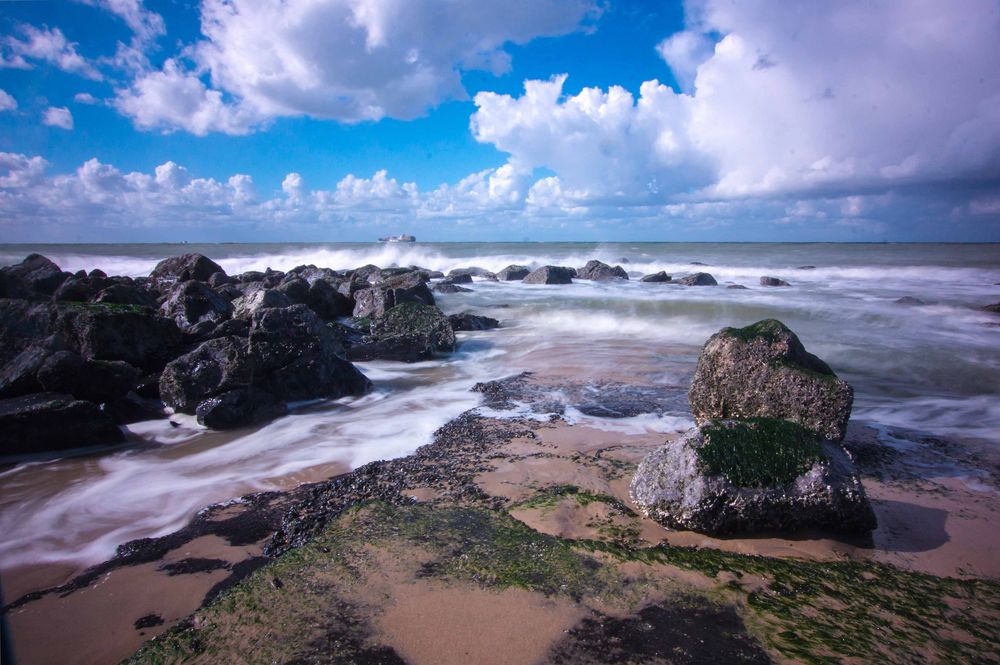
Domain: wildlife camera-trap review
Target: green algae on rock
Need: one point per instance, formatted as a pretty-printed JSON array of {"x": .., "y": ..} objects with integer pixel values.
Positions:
[{"x": 758, "y": 452}]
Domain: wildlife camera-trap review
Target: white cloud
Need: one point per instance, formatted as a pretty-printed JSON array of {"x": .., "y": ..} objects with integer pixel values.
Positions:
[
  {"x": 58, "y": 117},
  {"x": 47, "y": 45},
  {"x": 348, "y": 60},
  {"x": 85, "y": 98},
  {"x": 146, "y": 25},
  {"x": 7, "y": 103},
  {"x": 684, "y": 52}
]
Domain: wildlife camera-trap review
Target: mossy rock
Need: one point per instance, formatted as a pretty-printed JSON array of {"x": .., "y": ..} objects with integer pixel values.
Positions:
[{"x": 758, "y": 452}]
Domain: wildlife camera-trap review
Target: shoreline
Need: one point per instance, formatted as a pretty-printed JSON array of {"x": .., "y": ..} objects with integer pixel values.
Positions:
[{"x": 562, "y": 481}]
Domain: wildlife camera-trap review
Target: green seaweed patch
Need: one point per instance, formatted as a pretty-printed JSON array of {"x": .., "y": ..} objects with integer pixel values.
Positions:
[
  {"x": 547, "y": 499},
  {"x": 768, "y": 329},
  {"x": 408, "y": 315},
  {"x": 758, "y": 452},
  {"x": 107, "y": 307},
  {"x": 360, "y": 323},
  {"x": 826, "y": 612}
]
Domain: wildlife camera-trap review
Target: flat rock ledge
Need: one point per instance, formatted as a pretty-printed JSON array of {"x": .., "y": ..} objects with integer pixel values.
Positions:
[{"x": 673, "y": 487}]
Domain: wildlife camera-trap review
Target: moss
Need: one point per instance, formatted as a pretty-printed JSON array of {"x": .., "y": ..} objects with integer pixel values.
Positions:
[
  {"x": 361, "y": 323},
  {"x": 768, "y": 330},
  {"x": 547, "y": 498},
  {"x": 758, "y": 452},
  {"x": 107, "y": 307}
]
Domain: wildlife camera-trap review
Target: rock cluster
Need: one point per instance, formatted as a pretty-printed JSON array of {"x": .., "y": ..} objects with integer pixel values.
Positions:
[
  {"x": 766, "y": 454},
  {"x": 83, "y": 353}
]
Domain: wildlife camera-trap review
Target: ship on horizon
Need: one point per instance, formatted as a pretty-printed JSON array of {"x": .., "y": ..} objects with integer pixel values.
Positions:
[{"x": 400, "y": 238}]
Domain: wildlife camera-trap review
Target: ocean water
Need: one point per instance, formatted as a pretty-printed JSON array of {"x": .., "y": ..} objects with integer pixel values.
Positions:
[{"x": 932, "y": 367}]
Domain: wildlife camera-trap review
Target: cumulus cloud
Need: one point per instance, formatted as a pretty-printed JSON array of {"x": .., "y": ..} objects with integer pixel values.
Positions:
[
  {"x": 7, "y": 103},
  {"x": 85, "y": 98},
  {"x": 47, "y": 45},
  {"x": 812, "y": 100},
  {"x": 347, "y": 60},
  {"x": 58, "y": 117},
  {"x": 145, "y": 25}
]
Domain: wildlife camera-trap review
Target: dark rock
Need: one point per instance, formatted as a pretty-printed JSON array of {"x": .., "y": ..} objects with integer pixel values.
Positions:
[
  {"x": 220, "y": 278},
  {"x": 389, "y": 293},
  {"x": 96, "y": 381},
  {"x": 148, "y": 621},
  {"x": 50, "y": 421},
  {"x": 473, "y": 272},
  {"x": 698, "y": 279},
  {"x": 236, "y": 408},
  {"x": 216, "y": 366},
  {"x": 994, "y": 308},
  {"x": 806, "y": 268},
  {"x": 675, "y": 487},
  {"x": 773, "y": 281},
  {"x": 148, "y": 386},
  {"x": 327, "y": 302},
  {"x": 22, "y": 324},
  {"x": 469, "y": 321},
  {"x": 117, "y": 332},
  {"x": 133, "y": 409},
  {"x": 460, "y": 278},
  {"x": 127, "y": 294},
  {"x": 657, "y": 277},
  {"x": 80, "y": 289},
  {"x": 19, "y": 376},
  {"x": 513, "y": 273},
  {"x": 251, "y": 276},
  {"x": 550, "y": 275},
  {"x": 34, "y": 277},
  {"x": 294, "y": 288},
  {"x": 598, "y": 271},
  {"x": 698, "y": 263},
  {"x": 736, "y": 286},
  {"x": 407, "y": 348},
  {"x": 408, "y": 332},
  {"x": 910, "y": 300},
  {"x": 256, "y": 299},
  {"x": 442, "y": 287},
  {"x": 191, "y": 303},
  {"x": 184, "y": 268},
  {"x": 764, "y": 371},
  {"x": 365, "y": 274}
]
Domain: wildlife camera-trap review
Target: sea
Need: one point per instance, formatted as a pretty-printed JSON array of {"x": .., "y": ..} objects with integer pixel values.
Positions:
[{"x": 927, "y": 365}]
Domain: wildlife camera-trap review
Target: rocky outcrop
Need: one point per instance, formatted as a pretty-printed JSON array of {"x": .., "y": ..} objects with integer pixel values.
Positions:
[
  {"x": 117, "y": 332},
  {"x": 441, "y": 287},
  {"x": 97, "y": 381},
  {"x": 380, "y": 298},
  {"x": 474, "y": 271},
  {"x": 656, "y": 277},
  {"x": 513, "y": 273},
  {"x": 773, "y": 281},
  {"x": 192, "y": 303},
  {"x": 698, "y": 279},
  {"x": 764, "y": 371},
  {"x": 470, "y": 321},
  {"x": 749, "y": 477},
  {"x": 994, "y": 308},
  {"x": 254, "y": 300},
  {"x": 49, "y": 421},
  {"x": 460, "y": 278},
  {"x": 240, "y": 407},
  {"x": 598, "y": 272},
  {"x": 126, "y": 293},
  {"x": 408, "y": 333},
  {"x": 34, "y": 277},
  {"x": 183, "y": 268},
  {"x": 550, "y": 275}
]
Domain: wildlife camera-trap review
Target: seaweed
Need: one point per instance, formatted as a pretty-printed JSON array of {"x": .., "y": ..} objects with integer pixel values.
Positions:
[{"x": 758, "y": 452}]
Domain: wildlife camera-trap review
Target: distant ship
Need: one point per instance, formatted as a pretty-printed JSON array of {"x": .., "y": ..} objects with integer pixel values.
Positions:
[{"x": 403, "y": 238}]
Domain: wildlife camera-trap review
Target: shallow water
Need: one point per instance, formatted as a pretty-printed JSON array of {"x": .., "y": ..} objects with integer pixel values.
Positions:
[{"x": 933, "y": 367}]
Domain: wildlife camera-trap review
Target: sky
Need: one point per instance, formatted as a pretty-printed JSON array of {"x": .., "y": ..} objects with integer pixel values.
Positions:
[{"x": 477, "y": 120}]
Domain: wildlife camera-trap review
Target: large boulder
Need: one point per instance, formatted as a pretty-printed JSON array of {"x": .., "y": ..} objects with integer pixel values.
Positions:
[
  {"x": 473, "y": 271},
  {"x": 599, "y": 272},
  {"x": 656, "y": 277},
  {"x": 192, "y": 303},
  {"x": 22, "y": 324},
  {"x": 34, "y": 277},
  {"x": 289, "y": 354},
  {"x": 124, "y": 293},
  {"x": 763, "y": 370},
  {"x": 550, "y": 275},
  {"x": 102, "y": 331},
  {"x": 513, "y": 273},
  {"x": 256, "y": 299},
  {"x": 380, "y": 298},
  {"x": 81, "y": 288},
  {"x": 408, "y": 333},
  {"x": 240, "y": 407},
  {"x": 49, "y": 421},
  {"x": 470, "y": 321},
  {"x": 179, "y": 269},
  {"x": 773, "y": 281},
  {"x": 698, "y": 279},
  {"x": 96, "y": 381},
  {"x": 758, "y": 475}
]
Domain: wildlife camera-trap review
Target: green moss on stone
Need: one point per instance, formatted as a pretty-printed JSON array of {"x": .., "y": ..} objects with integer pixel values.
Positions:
[
  {"x": 107, "y": 307},
  {"x": 547, "y": 498},
  {"x": 768, "y": 329},
  {"x": 758, "y": 452}
]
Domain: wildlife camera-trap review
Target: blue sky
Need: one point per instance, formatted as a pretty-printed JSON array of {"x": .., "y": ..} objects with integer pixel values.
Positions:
[{"x": 545, "y": 119}]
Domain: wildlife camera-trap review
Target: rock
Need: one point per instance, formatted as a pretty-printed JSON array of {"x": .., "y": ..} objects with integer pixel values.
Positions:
[
  {"x": 366, "y": 273},
  {"x": 550, "y": 275},
  {"x": 96, "y": 381},
  {"x": 327, "y": 302},
  {"x": 698, "y": 279},
  {"x": 290, "y": 354},
  {"x": 250, "y": 276},
  {"x": 220, "y": 278},
  {"x": 382, "y": 297},
  {"x": 117, "y": 332},
  {"x": 910, "y": 300},
  {"x": 408, "y": 332},
  {"x": 513, "y": 273},
  {"x": 994, "y": 308},
  {"x": 460, "y": 278},
  {"x": 763, "y": 370},
  {"x": 450, "y": 288},
  {"x": 257, "y": 299},
  {"x": 294, "y": 288},
  {"x": 474, "y": 271},
  {"x": 236, "y": 408},
  {"x": 657, "y": 277},
  {"x": 407, "y": 348},
  {"x": 127, "y": 294},
  {"x": 184, "y": 268},
  {"x": 469, "y": 321},
  {"x": 80, "y": 289},
  {"x": 133, "y": 408},
  {"x": 736, "y": 286},
  {"x": 49, "y": 421},
  {"x": 598, "y": 271},
  {"x": 759, "y": 475},
  {"x": 773, "y": 281},
  {"x": 19, "y": 376},
  {"x": 191, "y": 303},
  {"x": 34, "y": 277},
  {"x": 806, "y": 268}
]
